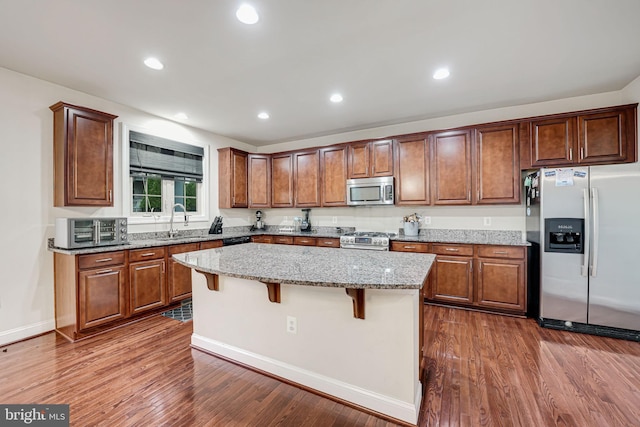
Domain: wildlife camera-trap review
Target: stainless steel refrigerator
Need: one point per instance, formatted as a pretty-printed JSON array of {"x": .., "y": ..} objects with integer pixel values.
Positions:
[{"x": 586, "y": 221}]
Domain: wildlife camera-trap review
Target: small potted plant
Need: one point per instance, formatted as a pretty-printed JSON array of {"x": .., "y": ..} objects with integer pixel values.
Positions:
[{"x": 411, "y": 224}]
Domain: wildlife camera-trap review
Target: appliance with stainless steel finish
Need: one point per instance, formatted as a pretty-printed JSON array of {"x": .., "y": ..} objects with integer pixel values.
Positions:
[
  {"x": 230, "y": 241},
  {"x": 365, "y": 240},
  {"x": 305, "y": 223},
  {"x": 370, "y": 191},
  {"x": 259, "y": 221},
  {"x": 585, "y": 221},
  {"x": 72, "y": 233}
]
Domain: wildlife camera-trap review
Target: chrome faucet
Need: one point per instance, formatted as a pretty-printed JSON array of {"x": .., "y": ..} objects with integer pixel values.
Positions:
[{"x": 172, "y": 231}]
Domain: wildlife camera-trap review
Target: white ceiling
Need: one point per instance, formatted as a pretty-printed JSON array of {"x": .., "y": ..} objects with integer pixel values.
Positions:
[{"x": 379, "y": 54}]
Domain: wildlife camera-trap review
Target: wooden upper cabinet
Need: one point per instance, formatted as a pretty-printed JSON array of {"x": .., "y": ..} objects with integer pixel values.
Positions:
[
  {"x": 497, "y": 172},
  {"x": 83, "y": 156},
  {"x": 602, "y": 136},
  {"x": 282, "y": 181},
  {"x": 607, "y": 137},
  {"x": 553, "y": 141},
  {"x": 232, "y": 178},
  {"x": 412, "y": 171},
  {"x": 307, "y": 178},
  {"x": 259, "y": 177},
  {"x": 333, "y": 169},
  {"x": 451, "y": 167},
  {"x": 371, "y": 159}
]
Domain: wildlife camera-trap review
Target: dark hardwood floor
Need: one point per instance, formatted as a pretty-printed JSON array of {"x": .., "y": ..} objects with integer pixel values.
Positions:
[{"x": 483, "y": 369}]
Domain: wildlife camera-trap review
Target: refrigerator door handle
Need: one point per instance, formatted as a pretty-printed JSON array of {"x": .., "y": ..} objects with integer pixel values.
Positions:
[
  {"x": 587, "y": 237},
  {"x": 596, "y": 231}
]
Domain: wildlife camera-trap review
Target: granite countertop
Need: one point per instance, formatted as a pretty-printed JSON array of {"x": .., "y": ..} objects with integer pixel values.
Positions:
[
  {"x": 313, "y": 266},
  {"x": 153, "y": 239}
]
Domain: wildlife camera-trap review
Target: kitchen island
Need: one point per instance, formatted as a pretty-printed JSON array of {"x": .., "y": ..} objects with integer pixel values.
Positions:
[{"x": 345, "y": 323}]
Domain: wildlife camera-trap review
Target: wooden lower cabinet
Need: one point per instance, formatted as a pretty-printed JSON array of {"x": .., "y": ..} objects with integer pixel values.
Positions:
[
  {"x": 147, "y": 285},
  {"x": 179, "y": 278},
  {"x": 304, "y": 241},
  {"x": 453, "y": 280},
  {"x": 328, "y": 242},
  {"x": 488, "y": 277},
  {"x": 262, "y": 239},
  {"x": 101, "y": 296},
  {"x": 282, "y": 240}
]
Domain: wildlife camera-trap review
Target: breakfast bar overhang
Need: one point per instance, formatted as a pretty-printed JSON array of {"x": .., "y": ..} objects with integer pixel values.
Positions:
[{"x": 344, "y": 323}]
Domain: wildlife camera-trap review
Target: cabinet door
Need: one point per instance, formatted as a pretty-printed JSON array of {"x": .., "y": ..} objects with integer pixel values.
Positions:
[
  {"x": 333, "y": 166},
  {"x": 382, "y": 158},
  {"x": 602, "y": 138},
  {"x": 101, "y": 296},
  {"x": 412, "y": 171},
  {"x": 282, "y": 181},
  {"x": 232, "y": 178},
  {"x": 83, "y": 156},
  {"x": 452, "y": 280},
  {"x": 259, "y": 177},
  {"x": 497, "y": 165},
  {"x": 359, "y": 160},
  {"x": 304, "y": 241},
  {"x": 147, "y": 285},
  {"x": 282, "y": 240},
  {"x": 179, "y": 279},
  {"x": 501, "y": 284},
  {"x": 553, "y": 141},
  {"x": 307, "y": 178},
  {"x": 451, "y": 168},
  {"x": 211, "y": 244}
]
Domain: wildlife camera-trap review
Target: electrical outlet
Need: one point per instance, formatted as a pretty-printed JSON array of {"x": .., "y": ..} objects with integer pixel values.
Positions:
[
  {"x": 426, "y": 220},
  {"x": 292, "y": 325},
  {"x": 334, "y": 219},
  {"x": 487, "y": 221}
]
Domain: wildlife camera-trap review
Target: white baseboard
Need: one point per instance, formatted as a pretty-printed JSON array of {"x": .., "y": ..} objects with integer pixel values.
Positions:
[
  {"x": 401, "y": 410},
  {"x": 28, "y": 331}
]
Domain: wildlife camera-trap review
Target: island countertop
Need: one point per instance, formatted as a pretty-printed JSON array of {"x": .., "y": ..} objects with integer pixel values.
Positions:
[{"x": 313, "y": 266}]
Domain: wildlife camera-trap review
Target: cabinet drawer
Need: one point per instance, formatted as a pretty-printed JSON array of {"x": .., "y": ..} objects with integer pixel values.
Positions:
[
  {"x": 409, "y": 247},
  {"x": 304, "y": 241},
  {"x": 262, "y": 239},
  {"x": 328, "y": 242},
  {"x": 178, "y": 249},
  {"x": 452, "y": 249},
  {"x": 101, "y": 260},
  {"x": 283, "y": 240},
  {"x": 147, "y": 254},
  {"x": 211, "y": 244},
  {"x": 514, "y": 252}
]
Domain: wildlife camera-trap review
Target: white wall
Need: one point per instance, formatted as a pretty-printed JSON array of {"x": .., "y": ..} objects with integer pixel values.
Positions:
[
  {"x": 26, "y": 168},
  {"x": 26, "y": 135}
]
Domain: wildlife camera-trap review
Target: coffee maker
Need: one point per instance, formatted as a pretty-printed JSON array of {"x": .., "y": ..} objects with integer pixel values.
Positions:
[
  {"x": 305, "y": 224},
  {"x": 259, "y": 222}
]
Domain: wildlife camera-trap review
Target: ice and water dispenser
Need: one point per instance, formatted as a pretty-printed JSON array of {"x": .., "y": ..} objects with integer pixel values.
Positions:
[{"x": 564, "y": 235}]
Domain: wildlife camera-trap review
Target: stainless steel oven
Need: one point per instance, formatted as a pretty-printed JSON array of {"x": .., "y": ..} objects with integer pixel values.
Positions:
[{"x": 90, "y": 232}]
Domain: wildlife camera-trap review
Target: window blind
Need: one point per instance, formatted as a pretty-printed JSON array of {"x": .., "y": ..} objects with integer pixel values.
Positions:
[{"x": 153, "y": 155}]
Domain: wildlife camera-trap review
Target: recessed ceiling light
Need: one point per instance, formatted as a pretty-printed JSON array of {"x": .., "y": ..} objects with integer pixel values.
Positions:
[
  {"x": 441, "y": 73},
  {"x": 336, "y": 97},
  {"x": 181, "y": 116},
  {"x": 247, "y": 14},
  {"x": 154, "y": 63},
  {"x": 263, "y": 116}
]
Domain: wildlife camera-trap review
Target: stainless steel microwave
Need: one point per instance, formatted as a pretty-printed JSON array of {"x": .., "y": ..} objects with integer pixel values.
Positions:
[
  {"x": 90, "y": 232},
  {"x": 370, "y": 191}
]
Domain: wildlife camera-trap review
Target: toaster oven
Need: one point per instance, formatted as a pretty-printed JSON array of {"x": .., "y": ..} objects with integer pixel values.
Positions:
[{"x": 74, "y": 233}]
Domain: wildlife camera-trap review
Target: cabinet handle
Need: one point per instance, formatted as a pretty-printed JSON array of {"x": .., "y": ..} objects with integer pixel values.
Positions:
[
  {"x": 327, "y": 242},
  {"x": 104, "y": 260},
  {"x": 148, "y": 254},
  {"x": 409, "y": 247},
  {"x": 500, "y": 252},
  {"x": 110, "y": 195},
  {"x": 452, "y": 249},
  {"x": 581, "y": 153},
  {"x": 570, "y": 153},
  {"x": 108, "y": 270}
]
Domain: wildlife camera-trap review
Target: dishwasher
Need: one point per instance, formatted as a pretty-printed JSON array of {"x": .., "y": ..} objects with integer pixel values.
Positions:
[{"x": 228, "y": 241}]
